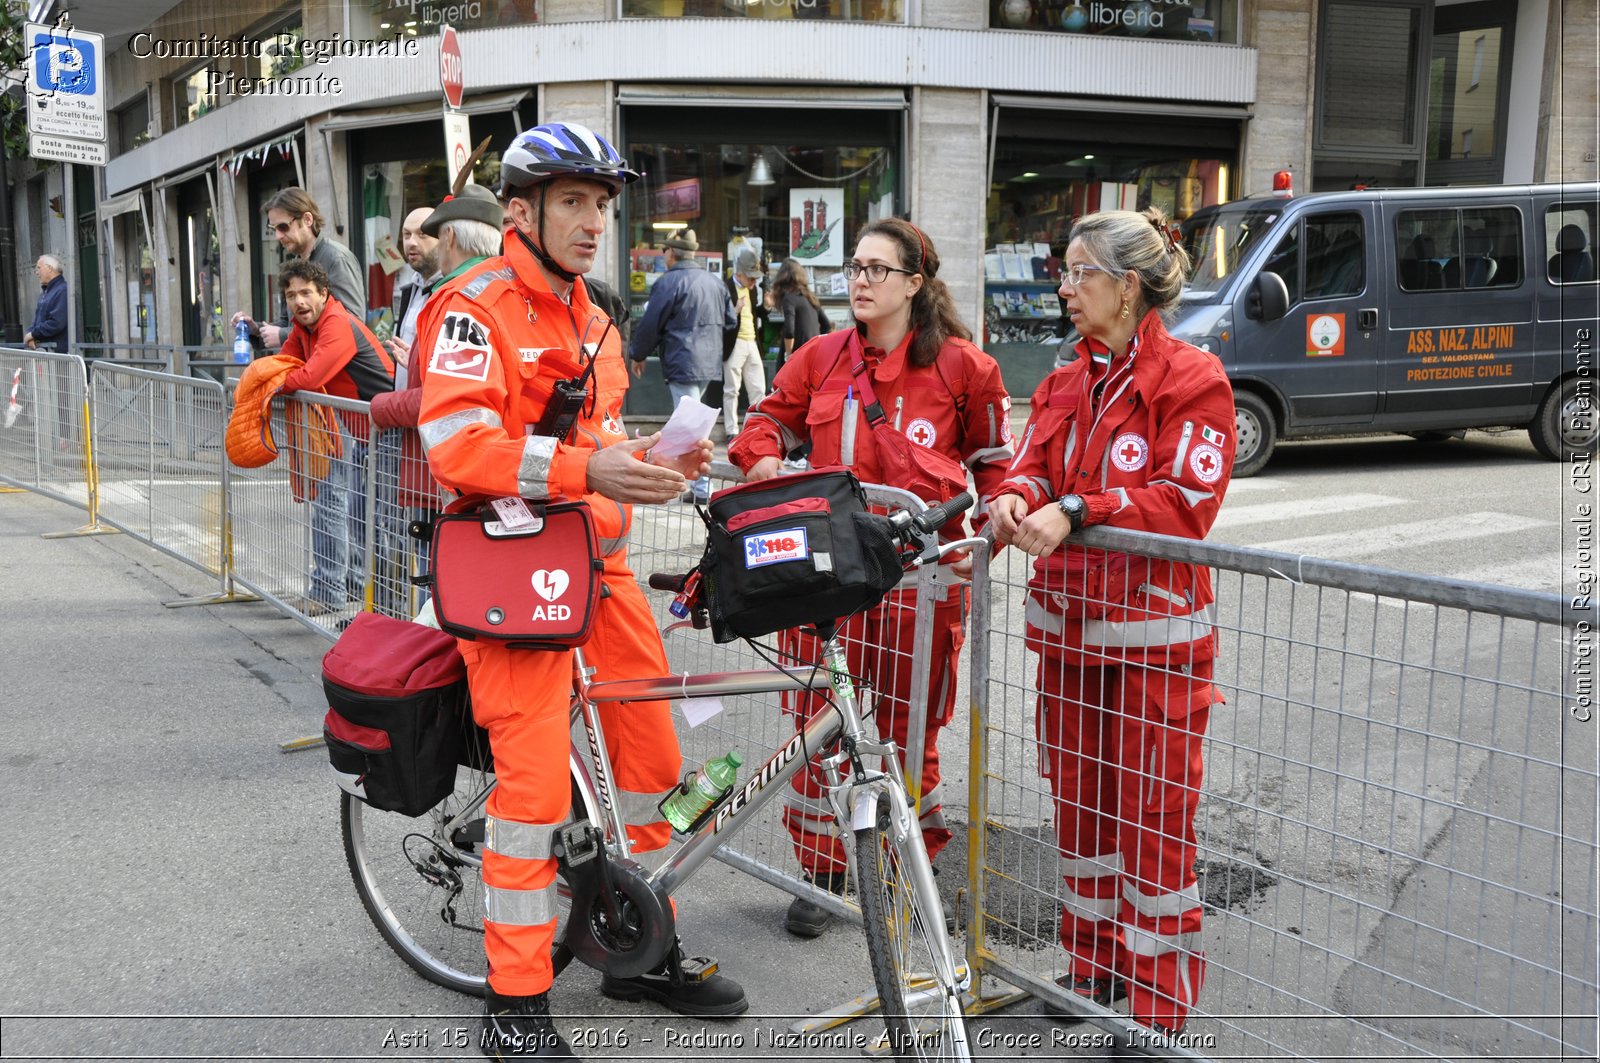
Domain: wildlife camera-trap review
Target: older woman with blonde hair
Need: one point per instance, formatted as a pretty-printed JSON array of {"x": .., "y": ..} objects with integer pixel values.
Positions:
[{"x": 1135, "y": 432}]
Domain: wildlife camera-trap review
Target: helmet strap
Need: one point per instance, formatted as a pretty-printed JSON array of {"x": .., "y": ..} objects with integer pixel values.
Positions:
[{"x": 537, "y": 250}]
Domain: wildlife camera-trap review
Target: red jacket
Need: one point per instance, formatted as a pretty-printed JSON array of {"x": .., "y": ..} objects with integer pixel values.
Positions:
[
  {"x": 1155, "y": 455},
  {"x": 957, "y": 406},
  {"x": 342, "y": 357},
  {"x": 498, "y": 340}
]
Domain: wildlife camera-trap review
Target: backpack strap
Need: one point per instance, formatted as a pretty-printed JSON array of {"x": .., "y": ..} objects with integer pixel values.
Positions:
[{"x": 945, "y": 354}]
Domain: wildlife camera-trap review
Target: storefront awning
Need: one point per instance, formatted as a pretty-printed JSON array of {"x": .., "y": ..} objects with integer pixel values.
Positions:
[
  {"x": 487, "y": 103},
  {"x": 117, "y": 206},
  {"x": 861, "y": 98},
  {"x": 1102, "y": 105}
]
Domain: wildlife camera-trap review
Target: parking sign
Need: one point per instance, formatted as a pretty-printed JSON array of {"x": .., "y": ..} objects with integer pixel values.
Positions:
[{"x": 66, "y": 74}]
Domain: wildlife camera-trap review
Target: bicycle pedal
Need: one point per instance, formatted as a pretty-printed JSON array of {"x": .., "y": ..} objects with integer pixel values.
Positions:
[
  {"x": 580, "y": 843},
  {"x": 697, "y": 968}
]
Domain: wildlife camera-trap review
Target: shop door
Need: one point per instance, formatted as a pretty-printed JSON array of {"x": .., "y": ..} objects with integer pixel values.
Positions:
[
  {"x": 1323, "y": 354},
  {"x": 91, "y": 327},
  {"x": 199, "y": 261}
]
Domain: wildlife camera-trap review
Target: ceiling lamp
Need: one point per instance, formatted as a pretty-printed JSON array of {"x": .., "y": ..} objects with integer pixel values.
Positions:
[{"x": 760, "y": 173}]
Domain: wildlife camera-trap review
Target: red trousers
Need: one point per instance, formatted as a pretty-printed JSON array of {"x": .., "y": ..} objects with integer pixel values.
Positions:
[
  {"x": 1121, "y": 747},
  {"x": 879, "y": 648},
  {"x": 523, "y": 698}
]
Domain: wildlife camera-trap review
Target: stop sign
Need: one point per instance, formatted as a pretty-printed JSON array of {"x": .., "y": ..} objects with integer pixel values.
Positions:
[{"x": 452, "y": 78}]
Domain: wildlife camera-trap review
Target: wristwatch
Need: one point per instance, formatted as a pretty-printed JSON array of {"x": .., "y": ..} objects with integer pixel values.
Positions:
[{"x": 1073, "y": 506}]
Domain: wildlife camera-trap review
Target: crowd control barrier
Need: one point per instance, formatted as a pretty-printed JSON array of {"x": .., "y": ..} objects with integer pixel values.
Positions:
[{"x": 1396, "y": 825}]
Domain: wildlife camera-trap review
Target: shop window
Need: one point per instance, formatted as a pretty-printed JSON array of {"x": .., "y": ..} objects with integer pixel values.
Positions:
[
  {"x": 414, "y": 19},
  {"x": 1569, "y": 231},
  {"x": 140, "y": 276},
  {"x": 1368, "y": 96},
  {"x": 281, "y": 51},
  {"x": 193, "y": 95},
  {"x": 1453, "y": 250},
  {"x": 833, "y": 10},
  {"x": 1176, "y": 20}
]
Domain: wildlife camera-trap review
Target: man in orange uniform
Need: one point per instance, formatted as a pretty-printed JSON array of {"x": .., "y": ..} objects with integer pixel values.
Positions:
[{"x": 506, "y": 333}]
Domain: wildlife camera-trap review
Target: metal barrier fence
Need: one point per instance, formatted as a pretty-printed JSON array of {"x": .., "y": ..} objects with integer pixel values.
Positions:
[
  {"x": 1396, "y": 831},
  {"x": 160, "y": 467},
  {"x": 44, "y": 419}
]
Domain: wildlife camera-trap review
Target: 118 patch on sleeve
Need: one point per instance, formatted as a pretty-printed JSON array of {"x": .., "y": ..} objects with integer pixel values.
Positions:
[{"x": 462, "y": 349}]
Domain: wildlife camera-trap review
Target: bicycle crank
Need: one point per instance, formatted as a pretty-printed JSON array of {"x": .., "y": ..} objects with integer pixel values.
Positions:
[{"x": 619, "y": 924}]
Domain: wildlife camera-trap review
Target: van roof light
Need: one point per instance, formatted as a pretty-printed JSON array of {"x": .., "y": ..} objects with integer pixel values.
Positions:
[{"x": 1283, "y": 183}]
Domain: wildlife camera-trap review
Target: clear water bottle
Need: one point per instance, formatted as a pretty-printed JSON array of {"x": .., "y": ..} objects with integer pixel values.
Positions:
[
  {"x": 242, "y": 351},
  {"x": 710, "y": 783}
]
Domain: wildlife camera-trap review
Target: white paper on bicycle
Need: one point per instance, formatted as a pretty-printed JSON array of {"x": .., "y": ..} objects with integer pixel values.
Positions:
[
  {"x": 690, "y": 423},
  {"x": 697, "y": 711}
]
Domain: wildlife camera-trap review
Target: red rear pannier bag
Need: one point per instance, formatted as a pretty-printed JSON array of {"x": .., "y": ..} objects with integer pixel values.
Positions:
[{"x": 397, "y": 722}]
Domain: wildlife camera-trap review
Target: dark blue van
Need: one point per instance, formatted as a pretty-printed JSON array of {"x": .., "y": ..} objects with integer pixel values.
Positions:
[{"x": 1425, "y": 310}]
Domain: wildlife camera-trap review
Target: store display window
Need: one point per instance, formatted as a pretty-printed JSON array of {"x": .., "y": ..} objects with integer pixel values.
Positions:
[
  {"x": 1051, "y": 168},
  {"x": 832, "y": 10},
  {"x": 1214, "y": 21},
  {"x": 805, "y": 196},
  {"x": 422, "y": 18}
]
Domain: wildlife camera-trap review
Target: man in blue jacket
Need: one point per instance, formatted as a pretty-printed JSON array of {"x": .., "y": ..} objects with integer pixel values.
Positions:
[
  {"x": 687, "y": 313},
  {"x": 49, "y": 328}
]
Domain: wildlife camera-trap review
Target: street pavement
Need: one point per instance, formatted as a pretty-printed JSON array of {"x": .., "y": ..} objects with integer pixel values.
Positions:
[{"x": 180, "y": 890}]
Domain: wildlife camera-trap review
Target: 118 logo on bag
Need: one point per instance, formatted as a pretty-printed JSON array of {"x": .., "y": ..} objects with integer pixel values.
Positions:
[{"x": 768, "y": 548}]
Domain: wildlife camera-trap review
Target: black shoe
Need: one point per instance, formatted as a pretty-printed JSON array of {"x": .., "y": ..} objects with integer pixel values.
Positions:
[
  {"x": 688, "y": 986},
  {"x": 520, "y": 1028},
  {"x": 1103, "y": 991},
  {"x": 807, "y": 920}
]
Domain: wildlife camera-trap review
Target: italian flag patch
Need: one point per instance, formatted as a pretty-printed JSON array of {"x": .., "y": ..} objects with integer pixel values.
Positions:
[{"x": 1215, "y": 438}]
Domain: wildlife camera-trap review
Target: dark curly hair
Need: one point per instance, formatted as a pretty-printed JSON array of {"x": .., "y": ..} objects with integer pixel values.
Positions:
[{"x": 933, "y": 311}]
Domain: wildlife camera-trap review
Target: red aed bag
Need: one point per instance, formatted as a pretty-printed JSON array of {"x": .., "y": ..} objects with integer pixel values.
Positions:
[{"x": 534, "y": 587}]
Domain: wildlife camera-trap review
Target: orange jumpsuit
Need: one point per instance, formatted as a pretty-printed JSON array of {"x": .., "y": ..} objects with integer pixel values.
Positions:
[
  {"x": 498, "y": 343},
  {"x": 957, "y": 406}
]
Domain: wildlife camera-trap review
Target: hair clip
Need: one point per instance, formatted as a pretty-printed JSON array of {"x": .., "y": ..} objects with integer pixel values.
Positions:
[{"x": 1170, "y": 234}]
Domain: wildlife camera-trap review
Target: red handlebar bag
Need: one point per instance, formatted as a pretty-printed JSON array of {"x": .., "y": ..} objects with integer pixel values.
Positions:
[
  {"x": 397, "y": 721},
  {"x": 535, "y": 588}
]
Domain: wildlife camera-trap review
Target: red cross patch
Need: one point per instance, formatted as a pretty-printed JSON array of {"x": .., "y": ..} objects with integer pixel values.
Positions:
[
  {"x": 1130, "y": 452},
  {"x": 921, "y": 432},
  {"x": 1205, "y": 461}
]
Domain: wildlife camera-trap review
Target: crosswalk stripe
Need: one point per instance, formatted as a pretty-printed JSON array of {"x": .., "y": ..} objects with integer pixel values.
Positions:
[
  {"x": 1300, "y": 509},
  {"x": 1543, "y": 573},
  {"x": 1412, "y": 534},
  {"x": 1253, "y": 485}
]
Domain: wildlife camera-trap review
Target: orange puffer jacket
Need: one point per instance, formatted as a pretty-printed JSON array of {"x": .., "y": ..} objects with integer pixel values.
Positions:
[{"x": 313, "y": 435}]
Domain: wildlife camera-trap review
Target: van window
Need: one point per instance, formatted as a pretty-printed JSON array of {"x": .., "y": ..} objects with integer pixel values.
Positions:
[
  {"x": 1569, "y": 243},
  {"x": 1218, "y": 241},
  {"x": 1453, "y": 249},
  {"x": 1335, "y": 255}
]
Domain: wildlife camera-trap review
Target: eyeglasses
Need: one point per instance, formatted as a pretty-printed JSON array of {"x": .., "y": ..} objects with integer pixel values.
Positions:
[
  {"x": 876, "y": 273},
  {"x": 1075, "y": 274},
  {"x": 283, "y": 227}
]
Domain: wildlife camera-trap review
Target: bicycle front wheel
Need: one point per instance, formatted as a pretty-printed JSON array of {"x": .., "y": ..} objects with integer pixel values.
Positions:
[
  {"x": 919, "y": 980},
  {"x": 421, "y": 879}
]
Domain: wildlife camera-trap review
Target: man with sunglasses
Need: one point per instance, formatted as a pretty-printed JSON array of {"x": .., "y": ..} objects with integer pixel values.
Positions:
[
  {"x": 509, "y": 340},
  {"x": 293, "y": 218}
]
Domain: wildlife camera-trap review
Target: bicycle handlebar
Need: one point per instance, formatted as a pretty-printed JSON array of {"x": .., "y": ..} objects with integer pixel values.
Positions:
[
  {"x": 935, "y": 517},
  {"x": 666, "y": 581}
]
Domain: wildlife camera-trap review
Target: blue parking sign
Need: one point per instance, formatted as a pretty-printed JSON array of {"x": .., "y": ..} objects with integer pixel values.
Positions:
[{"x": 63, "y": 64}]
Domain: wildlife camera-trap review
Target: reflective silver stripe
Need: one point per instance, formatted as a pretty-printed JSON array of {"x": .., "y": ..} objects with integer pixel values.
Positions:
[
  {"x": 1162, "y": 592},
  {"x": 995, "y": 455},
  {"x": 1166, "y": 631},
  {"x": 1144, "y": 943},
  {"x": 1156, "y": 905},
  {"x": 640, "y": 809},
  {"x": 1066, "y": 456},
  {"x": 993, "y": 435},
  {"x": 1027, "y": 437},
  {"x": 1095, "y": 909},
  {"x": 933, "y": 799},
  {"x": 519, "y": 907},
  {"x": 1041, "y": 618},
  {"x": 1091, "y": 866},
  {"x": 533, "y": 475},
  {"x": 440, "y": 429},
  {"x": 790, "y": 440},
  {"x": 1190, "y": 495},
  {"x": 847, "y": 433},
  {"x": 526, "y": 841},
  {"x": 1122, "y": 495},
  {"x": 476, "y": 286},
  {"x": 1183, "y": 449}
]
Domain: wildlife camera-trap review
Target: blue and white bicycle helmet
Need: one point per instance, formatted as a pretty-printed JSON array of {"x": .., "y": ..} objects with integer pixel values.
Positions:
[{"x": 558, "y": 149}]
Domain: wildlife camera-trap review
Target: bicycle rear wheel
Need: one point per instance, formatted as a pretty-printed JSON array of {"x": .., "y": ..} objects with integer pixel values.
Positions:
[
  {"x": 914, "y": 964},
  {"x": 422, "y": 885}
]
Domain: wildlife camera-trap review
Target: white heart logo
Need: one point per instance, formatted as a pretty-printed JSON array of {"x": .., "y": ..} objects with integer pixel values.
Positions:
[{"x": 550, "y": 584}]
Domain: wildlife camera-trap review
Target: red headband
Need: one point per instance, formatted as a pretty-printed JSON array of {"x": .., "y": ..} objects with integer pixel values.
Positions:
[{"x": 922, "y": 264}]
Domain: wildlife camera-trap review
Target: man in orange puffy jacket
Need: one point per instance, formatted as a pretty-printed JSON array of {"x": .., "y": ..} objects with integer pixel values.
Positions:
[{"x": 505, "y": 334}]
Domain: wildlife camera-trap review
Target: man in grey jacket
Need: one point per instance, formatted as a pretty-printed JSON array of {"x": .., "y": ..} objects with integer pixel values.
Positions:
[
  {"x": 687, "y": 313},
  {"x": 297, "y": 223}
]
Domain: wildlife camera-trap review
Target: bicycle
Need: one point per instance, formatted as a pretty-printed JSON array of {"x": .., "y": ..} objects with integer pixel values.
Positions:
[{"x": 416, "y": 877}]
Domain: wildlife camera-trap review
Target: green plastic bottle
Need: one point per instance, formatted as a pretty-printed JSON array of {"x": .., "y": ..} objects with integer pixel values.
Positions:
[{"x": 710, "y": 783}]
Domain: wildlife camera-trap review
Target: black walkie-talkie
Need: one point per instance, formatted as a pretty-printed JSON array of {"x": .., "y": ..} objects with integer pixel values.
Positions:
[{"x": 570, "y": 396}]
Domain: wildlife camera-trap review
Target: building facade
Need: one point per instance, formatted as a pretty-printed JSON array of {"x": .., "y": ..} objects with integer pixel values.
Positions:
[{"x": 787, "y": 124}]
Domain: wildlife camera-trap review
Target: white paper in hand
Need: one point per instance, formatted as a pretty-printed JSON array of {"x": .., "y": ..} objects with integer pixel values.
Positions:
[{"x": 690, "y": 423}]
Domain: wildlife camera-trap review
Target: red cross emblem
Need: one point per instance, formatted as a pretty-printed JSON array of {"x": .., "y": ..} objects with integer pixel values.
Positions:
[
  {"x": 1205, "y": 461},
  {"x": 921, "y": 432},
  {"x": 1129, "y": 452}
]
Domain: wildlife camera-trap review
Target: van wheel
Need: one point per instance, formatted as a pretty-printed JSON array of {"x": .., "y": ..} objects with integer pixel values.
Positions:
[
  {"x": 1565, "y": 423},
  {"x": 1256, "y": 432}
]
